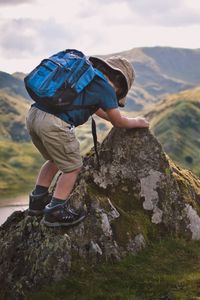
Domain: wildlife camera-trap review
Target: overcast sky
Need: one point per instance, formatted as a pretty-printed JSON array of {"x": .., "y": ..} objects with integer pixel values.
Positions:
[{"x": 33, "y": 29}]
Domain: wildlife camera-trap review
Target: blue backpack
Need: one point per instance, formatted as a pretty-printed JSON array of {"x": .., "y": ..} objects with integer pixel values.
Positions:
[{"x": 58, "y": 80}]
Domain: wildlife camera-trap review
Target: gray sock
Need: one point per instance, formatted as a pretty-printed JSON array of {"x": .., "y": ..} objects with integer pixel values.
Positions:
[
  {"x": 39, "y": 189},
  {"x": 56, "y": 201}
]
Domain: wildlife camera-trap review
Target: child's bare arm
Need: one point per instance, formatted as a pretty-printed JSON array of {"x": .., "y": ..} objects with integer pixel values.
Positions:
[{"x": 120, "y": 121}]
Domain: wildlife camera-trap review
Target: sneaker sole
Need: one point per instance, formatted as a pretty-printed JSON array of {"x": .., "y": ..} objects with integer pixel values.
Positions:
[
  {"x": 58, "y": 224},
  {"x": 32, "y": 212}
]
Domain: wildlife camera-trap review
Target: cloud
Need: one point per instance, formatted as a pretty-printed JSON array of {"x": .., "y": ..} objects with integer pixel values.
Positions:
[
  {"x": 14, "y": 2},
  {"x": 165, "y": 13},
  {"x": 146, "y": 7},
  {"x": 30, "y": 38},
  {"x": 27, "y": 37},
  {"x": 28, "y": 34},
  {"x": 146, "y": 13}
]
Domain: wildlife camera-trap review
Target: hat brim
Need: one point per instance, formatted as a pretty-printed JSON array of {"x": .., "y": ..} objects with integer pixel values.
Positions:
[{"x": 96, "y": 60}]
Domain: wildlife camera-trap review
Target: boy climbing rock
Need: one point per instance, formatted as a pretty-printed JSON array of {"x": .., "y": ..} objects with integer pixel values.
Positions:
[{"x": 53, "y": 133}]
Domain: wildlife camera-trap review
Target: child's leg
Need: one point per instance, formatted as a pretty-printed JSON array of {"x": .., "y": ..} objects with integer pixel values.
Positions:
[
  {"x": 46, "y": 173},
  {"x": 65, "y": 184}
]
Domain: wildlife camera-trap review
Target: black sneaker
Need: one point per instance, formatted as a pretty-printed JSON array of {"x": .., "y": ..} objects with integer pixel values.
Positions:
[
  {"x": 62, "y": 215},
  {"x": 50, "y": 205},
  {"x": 37, "y": 203}
]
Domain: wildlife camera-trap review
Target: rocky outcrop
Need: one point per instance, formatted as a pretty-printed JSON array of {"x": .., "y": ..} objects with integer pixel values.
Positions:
[{"x": 138, "y": 195}]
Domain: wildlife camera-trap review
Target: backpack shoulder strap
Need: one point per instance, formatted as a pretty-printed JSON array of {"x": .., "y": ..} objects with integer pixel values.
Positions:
[
  {"x": 94, "y": 134},
  {"x": 100, "y": 74}
]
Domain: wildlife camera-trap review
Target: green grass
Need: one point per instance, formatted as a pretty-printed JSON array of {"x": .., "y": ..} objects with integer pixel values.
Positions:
[
  {"x": 13, "y": 110},
  {"x": 19, "y": 164},
  {"x": 168, "y": 268},
  {"x": 177, "y": 129}
]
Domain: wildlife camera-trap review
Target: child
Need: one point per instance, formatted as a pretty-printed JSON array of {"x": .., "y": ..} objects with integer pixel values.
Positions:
[{"x": 53, "y": 135}]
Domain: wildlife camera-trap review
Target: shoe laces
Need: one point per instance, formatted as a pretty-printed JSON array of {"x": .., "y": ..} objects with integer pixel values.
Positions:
[{"x": 70, "y": 210}]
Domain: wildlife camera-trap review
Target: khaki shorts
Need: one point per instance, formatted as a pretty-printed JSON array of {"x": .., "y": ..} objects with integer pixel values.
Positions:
[{"x": 55, "y": 139}]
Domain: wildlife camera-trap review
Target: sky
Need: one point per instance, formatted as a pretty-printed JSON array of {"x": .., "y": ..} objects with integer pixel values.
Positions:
[{"x": 31, "y": 30}]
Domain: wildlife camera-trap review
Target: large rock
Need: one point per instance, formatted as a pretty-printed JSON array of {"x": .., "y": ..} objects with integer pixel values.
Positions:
[{"x": 138, "y": 195}]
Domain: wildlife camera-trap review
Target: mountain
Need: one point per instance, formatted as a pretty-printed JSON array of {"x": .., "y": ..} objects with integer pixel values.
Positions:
[
  {"x": 177, "y": 63},
  {"x": 176, "y": 123},
  {"x": 160, "y": 71},
  {"x": 13, "y": 84},
  {"x": 19, "y": 75},
  {"x": 136, "y": 198}
]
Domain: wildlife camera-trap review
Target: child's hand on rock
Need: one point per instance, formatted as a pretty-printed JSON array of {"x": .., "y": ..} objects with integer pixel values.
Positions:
[{"x": 141, "y": 122}]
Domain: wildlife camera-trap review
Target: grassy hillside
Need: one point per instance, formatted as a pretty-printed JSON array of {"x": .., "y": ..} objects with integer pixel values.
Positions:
[
  {"x": 13, "y": 110},
  {"x": 19, "y": 160},
  {"x": 176, "y": 123},
  {"x": 166, "y": 270},
  {"x": 19, "y": 164}
]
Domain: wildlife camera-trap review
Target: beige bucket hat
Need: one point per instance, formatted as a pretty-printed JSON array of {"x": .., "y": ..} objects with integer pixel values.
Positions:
[{"x": 118, "y": 65}]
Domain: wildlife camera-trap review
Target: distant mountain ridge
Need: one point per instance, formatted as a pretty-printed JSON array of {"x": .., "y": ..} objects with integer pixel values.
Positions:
[
  {"x": 161, "y": 71},
  {"x": 13, "y": 84},
  {"x": 182, "y": 64}
]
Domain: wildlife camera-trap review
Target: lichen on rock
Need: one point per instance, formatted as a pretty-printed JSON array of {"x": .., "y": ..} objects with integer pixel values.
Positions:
[
  {"x": 148, "y": 191},
  {"x": 194, "y": 224}
]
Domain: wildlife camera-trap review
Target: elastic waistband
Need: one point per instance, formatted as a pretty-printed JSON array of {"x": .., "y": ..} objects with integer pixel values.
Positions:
[{"x": 34, "y": 107}]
